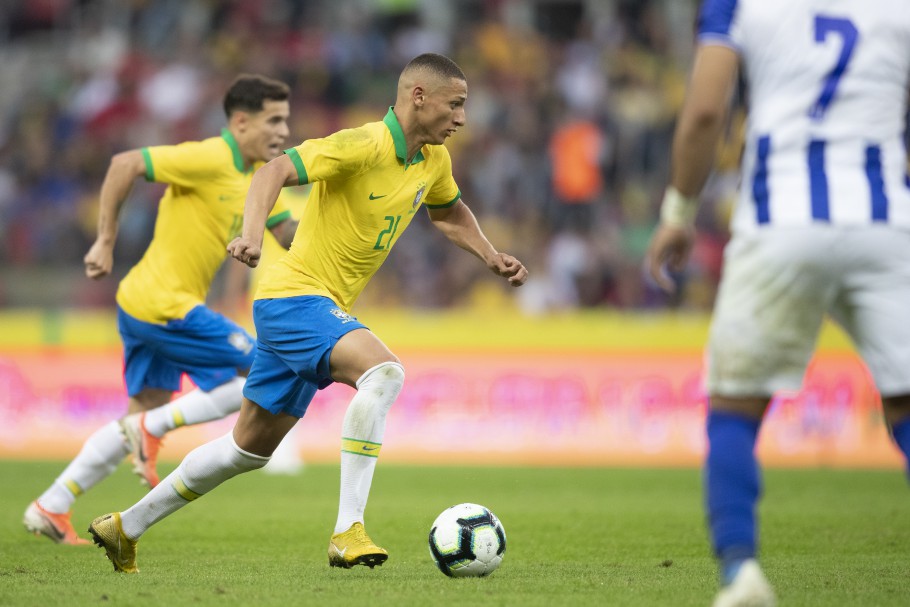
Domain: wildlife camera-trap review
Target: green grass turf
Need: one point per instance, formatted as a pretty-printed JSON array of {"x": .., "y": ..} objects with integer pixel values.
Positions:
[{"x": 576, "y": 537}]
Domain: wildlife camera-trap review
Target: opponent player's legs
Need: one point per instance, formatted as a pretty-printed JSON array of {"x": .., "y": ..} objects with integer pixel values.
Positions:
[
  {"x": 897, "y": 416},
  {"x": 769, "y": 309},
  {"x": 361, "y": 360},
  {"x": 100, "y": 455},
  {"x": 246, "y": 448},
  {"x": 732, "y": 490},
  {"x": 873, "y": 310}
]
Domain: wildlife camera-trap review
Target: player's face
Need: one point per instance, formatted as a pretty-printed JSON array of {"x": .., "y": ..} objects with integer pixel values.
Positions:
[
  {"x": 443, "y": 111},
  {"x": 266, "y": 131}
]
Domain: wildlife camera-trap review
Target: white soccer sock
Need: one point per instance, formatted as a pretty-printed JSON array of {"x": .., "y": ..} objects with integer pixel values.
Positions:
[
  {"x": 361, "y": 438},
  {"x": 203, "y": 469},
  {"x": 100, "y": 455},
  {"x": 196, "y": 407}
]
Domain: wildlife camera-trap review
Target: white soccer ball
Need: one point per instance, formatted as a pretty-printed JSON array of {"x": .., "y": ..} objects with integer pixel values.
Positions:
[{"x": 467, "y": 540}]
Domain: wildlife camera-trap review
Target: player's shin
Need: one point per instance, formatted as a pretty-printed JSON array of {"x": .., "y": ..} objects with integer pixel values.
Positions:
[
  {"x": 202, "y": 470},
  {"x": 733, "y": 485},
  {"x": 196, "y": 407},
  {"x": 361, "y": 438},
  {"x": 99, "y": 457},
  {"x": 901, "y": 434}
]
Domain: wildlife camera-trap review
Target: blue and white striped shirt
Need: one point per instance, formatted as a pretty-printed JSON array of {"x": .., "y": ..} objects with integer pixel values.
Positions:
[{"x": 828, "y": 83}]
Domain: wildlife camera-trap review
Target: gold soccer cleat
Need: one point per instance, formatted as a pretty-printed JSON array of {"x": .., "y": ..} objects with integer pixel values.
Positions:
[
  {"x": 354, "y": 547},
  {"x": 107, "y": 532},
  {"x": 55, "y": 526},
  {"x": 143, "y": 446}
]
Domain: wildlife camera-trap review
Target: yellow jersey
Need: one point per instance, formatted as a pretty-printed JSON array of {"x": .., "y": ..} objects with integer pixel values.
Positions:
[
  {"x": 365, "y": 193},
  {"x": 200, "y": 213}
]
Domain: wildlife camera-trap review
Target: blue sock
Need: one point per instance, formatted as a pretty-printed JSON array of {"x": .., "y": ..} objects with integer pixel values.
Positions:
[
  {"x": 901, "y": 434},
  {"x": 733, "y": 485}
]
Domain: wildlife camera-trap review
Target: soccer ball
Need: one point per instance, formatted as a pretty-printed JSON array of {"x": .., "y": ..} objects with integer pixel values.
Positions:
[{"x": 467, "y": 540}]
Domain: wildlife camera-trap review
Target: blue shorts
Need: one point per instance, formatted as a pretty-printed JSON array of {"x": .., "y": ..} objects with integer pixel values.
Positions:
[
  {"x": 205, "y": 345},
  {"x": 296, "y": 336}
]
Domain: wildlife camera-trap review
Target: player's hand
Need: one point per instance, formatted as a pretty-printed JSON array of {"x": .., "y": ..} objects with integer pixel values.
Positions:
[
  {"x": 99, "y": 261},
  {"x": 246, "y": 251},
  {"x": 668, "y": 250},
  {"x": 508, "y": 267}
]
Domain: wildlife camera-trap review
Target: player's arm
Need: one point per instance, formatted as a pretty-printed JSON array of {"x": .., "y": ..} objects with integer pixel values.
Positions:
[
  {"x": 695, "y": 140},
  {"x": 460, "y": 226},
  {"x": 260, "y": 198},
  {"x": 121, "y": 173}
]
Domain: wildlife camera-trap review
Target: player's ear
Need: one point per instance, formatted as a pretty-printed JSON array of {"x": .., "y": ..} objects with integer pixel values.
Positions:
[
  {"x": 418, "y": 95},
  {"x": 239, "y": 120}
]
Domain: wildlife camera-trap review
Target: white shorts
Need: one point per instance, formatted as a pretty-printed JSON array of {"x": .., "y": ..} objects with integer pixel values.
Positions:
[{"x": 777, "y": 286}]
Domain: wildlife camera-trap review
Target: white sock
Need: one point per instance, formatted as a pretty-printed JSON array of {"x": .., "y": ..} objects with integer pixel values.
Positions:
[
  {"x": 100, "y": 455},
  {"x": 361, "y": 438},
  {"x": 203, "y": 469},
  {"x": 196, "y": 407}
]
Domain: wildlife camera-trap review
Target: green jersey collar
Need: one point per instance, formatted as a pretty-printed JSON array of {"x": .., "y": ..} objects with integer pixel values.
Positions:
[
  {"x": 401, "y": 147},
  {"x": 235, "y": 151}
]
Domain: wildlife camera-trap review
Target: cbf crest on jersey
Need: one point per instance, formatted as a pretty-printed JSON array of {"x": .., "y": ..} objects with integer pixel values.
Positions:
[
  {"x": 341, "y": 315},
  {"x": 419, "y": 196},
  {"x": 241, "y": 342}
]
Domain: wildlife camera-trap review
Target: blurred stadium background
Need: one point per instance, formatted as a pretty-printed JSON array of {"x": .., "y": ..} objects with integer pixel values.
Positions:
[{"x": 564, "y": 159}]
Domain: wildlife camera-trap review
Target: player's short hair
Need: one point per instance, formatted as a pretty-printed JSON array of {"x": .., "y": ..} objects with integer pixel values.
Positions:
[
  {"x": 249, "y": 92},
  {"x": 439, "y": 65}
]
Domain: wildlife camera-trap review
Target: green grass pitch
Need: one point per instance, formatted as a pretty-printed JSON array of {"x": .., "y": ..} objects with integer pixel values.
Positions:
[{"x": 576, "y": 537}]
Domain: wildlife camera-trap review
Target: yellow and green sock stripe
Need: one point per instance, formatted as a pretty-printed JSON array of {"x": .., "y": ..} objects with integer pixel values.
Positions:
[
  {"x": 177, "y": 417},
  {"x": 360, "y": 447},
  {"x": 74, "y": 487},
  {"x": 184, "y": 491}
]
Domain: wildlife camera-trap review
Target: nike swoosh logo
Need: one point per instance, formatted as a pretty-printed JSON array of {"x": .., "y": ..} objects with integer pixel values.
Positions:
[
  {"x": 372, "y": 197},
  {"x": 365, "y": 448},
  {"x": 340, "y": 552}
]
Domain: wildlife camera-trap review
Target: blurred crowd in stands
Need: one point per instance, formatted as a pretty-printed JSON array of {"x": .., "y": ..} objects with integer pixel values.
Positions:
[{"x": 564, "y": 158}]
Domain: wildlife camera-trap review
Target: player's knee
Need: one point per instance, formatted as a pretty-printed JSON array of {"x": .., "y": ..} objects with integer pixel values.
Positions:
[
  {"x": 385, "y": 381},
  {"x": 245, "y": 461},
  {"x": 391, "y": 373}
]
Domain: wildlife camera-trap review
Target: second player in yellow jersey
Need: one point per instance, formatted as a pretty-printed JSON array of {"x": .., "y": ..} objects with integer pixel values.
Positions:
[{"x": 166, "y": 329}]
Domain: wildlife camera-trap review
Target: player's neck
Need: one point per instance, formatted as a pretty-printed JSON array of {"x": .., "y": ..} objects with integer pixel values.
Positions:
[{"x": 414, "y": 139}]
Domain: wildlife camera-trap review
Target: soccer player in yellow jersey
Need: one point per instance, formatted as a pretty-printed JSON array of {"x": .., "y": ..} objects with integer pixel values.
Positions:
[
  {"x": 368, "y": 183},
  {"x": 167, "y": 330}
]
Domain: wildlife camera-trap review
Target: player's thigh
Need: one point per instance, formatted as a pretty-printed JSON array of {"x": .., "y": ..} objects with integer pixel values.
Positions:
[
  {"x": 144, "y": 369},
  {"x": 305, "y": 334},
  {"x": 206, "y": 338},
  {"x": 205, "y": 345},
  {"x": 874, "y": 305},
  {"x": 355, "y": 354},
  {"x": 773, "y": 296},
  {"x": 276, "y": 387}
]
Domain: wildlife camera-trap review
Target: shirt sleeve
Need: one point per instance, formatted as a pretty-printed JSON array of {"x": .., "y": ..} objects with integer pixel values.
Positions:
[
  {"x": 341, "y": 155},
  {"x": 718, "y": 23},
  {"x": 183, "y": 164},
  {"x": 444, "y": 192}
]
